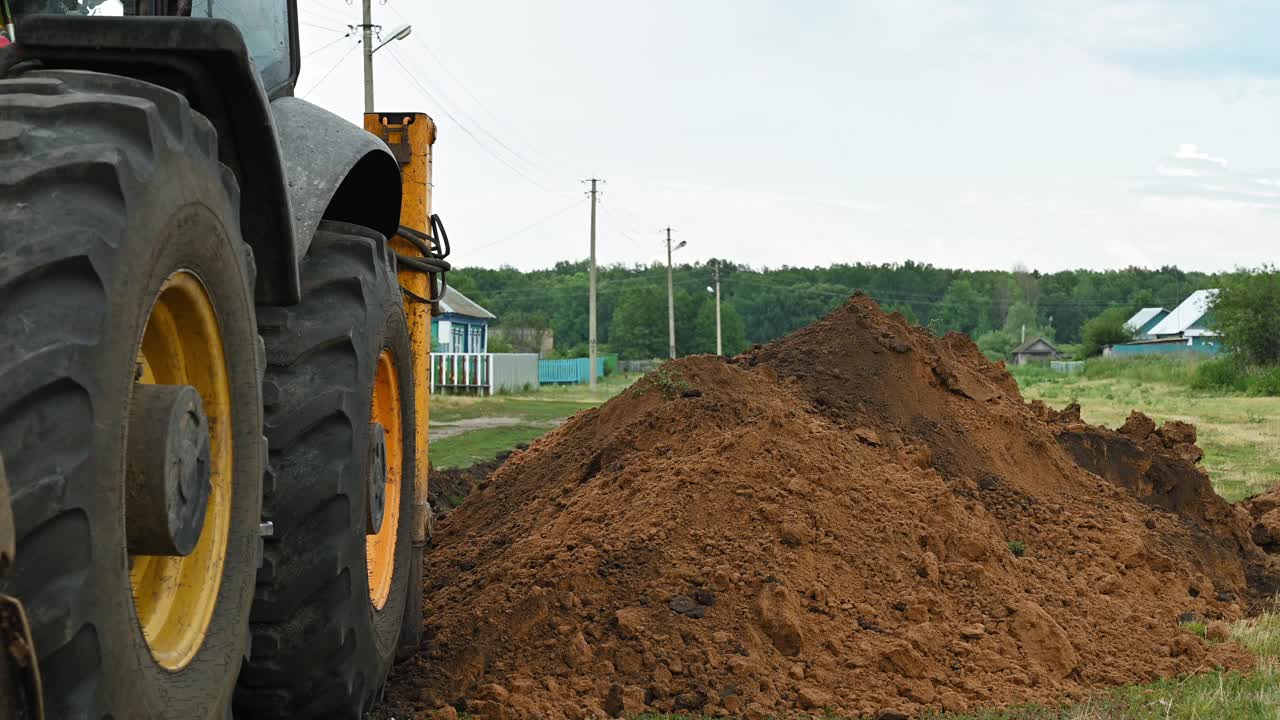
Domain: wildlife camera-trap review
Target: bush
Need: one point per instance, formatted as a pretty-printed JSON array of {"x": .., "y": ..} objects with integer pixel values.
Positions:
[
  {"x": 1155, "y": 368},
  {"x": 1220, "y": 374},
  {"x": 1034, "y": 374},
  {"x": 1264, "y": 380},
  {"x": 1244, "y": 312},
  {"x": 1106, "y": 329}
]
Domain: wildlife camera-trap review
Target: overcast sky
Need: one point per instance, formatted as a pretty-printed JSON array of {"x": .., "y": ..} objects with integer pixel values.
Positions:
[{"x": 1093, "y": 133}]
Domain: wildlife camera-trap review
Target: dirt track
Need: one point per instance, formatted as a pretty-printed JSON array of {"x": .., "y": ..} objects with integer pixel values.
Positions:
[{"x": 828, "y": 521}]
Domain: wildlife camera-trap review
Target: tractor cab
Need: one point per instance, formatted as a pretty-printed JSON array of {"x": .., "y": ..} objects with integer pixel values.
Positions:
[{"x": 269, "y": 27}]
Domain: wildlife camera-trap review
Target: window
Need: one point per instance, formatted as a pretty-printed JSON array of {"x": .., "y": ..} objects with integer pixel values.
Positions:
[
  {"x": 477, "y": 339},
  {"x": 265, "y": 26},
  {"x": 459, "y": 338}
]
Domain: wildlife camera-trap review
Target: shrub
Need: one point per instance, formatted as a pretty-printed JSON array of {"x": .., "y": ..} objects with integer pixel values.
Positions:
[
  {"x": 1264, "y": 380},
  {"x": 1220, "y": 374},
  {"x": 1244, "y": 312},
  {"x": 1152, "y": 368},
  {"x": 1018, "y": 548},
  {"x": 1106, "y": 329}
]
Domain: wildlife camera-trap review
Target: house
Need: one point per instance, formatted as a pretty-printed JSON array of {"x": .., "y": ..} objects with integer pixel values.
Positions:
[
  {"x": 1035, "y": 350},
  {"x": 1190, "y": 319},
  {"x": 1143, "y": 320},
  {"x": 462, "y": 326},
  {"x": 1187, "y": 328}
]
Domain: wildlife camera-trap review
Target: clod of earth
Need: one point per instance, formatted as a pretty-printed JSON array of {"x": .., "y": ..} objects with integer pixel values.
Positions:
[{"x": 826, "y": 524}]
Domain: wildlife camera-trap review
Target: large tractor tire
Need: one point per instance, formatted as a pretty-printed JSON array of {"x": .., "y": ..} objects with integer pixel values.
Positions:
[
  {"x": 338, "y": 396},
  {"x": 129, "y": 345}
]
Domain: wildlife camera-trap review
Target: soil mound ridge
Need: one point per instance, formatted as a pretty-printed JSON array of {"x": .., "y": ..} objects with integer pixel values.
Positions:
[{"x": 857, "y": 517}]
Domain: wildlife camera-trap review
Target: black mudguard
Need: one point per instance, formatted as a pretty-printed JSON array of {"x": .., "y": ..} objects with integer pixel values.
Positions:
[{"x": 335, "y": 170}]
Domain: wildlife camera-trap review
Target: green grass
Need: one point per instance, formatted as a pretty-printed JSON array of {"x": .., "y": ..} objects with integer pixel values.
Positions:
[
  {"x": 1240, "y": 435},
  {"x": 549, "y": 402},
  {"x": 533, "y": 411},
  {"x": 476, "y": 446}
]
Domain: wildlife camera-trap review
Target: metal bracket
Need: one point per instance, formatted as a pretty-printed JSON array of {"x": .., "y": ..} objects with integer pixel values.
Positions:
[{"x": 393, "y": 128}]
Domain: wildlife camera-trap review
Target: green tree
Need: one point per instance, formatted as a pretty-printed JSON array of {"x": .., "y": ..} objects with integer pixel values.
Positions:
[
  {"x": 908, "y": 313},
  {"x": 638, "y": 329},
  {"x": 733, "y": 332},
  {"x": 997, "y": 344},
  {"x": 1247, "y": 313},
  {"x": 1023, "y": 315},
  {"x": 1105, "y": 329},
  {"x": 962, "y": 309}
]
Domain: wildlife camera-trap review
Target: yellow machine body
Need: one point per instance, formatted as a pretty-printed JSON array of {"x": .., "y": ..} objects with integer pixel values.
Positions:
[{"x": 411, "y": 137}]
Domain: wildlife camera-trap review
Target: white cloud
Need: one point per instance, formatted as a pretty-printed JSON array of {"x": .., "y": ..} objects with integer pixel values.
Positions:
[{"x": 1188, "y": 151}]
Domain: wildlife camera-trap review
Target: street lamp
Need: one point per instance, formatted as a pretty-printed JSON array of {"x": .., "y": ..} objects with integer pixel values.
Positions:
[{"x": 399, "y": 33}]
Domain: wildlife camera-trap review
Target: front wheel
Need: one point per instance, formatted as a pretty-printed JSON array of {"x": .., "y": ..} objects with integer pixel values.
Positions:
[{"x": 130, "y": 359}]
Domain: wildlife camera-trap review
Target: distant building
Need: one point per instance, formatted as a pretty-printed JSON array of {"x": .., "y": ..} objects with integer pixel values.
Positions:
[
  {"x": 1143, "y": 320},
  {"x": 1035, "y": 350},
  {"x": 462, "y": 326},
  {"x": 1187, "y": 328}
]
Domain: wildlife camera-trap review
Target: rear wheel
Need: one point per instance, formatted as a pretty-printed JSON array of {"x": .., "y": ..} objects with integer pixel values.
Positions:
[
  {"x": 126, "y": 312},
  {"x": 339, "y": 416}
]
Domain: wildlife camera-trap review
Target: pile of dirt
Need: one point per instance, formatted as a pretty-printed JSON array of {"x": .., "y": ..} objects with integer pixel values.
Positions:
[
  {"x": 450, "y": 486},
  {"x": 857, "y": 517}
]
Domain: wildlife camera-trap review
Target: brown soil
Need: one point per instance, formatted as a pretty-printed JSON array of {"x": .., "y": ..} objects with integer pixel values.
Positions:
[
  {"x": 826, "y": 522},
  {"x": 449, "y": 487}
]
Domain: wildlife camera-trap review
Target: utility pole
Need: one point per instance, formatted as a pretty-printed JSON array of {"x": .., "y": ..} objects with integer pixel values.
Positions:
[
  {"x": 367, "y": 27},
  {"x": 591, "y": 311},
  {"x": 671, "y": 299},
  {"x": 719, "y": 347}
]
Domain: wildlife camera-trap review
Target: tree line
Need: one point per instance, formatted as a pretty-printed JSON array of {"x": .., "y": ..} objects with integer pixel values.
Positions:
[{"x": 992, "y": 306}]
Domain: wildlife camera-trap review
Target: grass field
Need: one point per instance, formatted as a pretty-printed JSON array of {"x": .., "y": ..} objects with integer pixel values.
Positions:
[
  {"x": 1240, "y": 435},
  {"x": 524, "y": 416}
]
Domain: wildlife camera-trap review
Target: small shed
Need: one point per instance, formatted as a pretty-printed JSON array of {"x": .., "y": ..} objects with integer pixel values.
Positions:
[
  {"x": 462, "y": 326},
  {"x": 1035, "y": 350}
]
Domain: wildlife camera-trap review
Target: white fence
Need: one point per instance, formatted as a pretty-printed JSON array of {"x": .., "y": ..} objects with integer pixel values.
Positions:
[
  {"x": 638, "y": 366},
  {"x": 483, "y": 373}
]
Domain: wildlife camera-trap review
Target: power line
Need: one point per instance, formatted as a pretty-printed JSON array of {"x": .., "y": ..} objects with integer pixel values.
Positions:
[
  {"x": 330, "y": 71},
  {"x": 449, "y": 73},
  {"x": 319, "y": 5},
  {"x": 635, "y": 243},
  {"x": 327, "y": 45},
  {"x": 463, "y": 128},
  {"x": 528, "y": 227},
  {"x": 319, "y": 27}
]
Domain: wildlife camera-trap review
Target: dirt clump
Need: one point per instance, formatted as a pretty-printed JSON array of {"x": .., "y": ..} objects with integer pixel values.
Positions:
[{"x": 828, "y": 521}]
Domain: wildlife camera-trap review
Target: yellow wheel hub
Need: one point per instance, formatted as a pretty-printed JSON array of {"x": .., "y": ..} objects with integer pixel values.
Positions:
[
  {"x": 380, "y": 549},
  {"x": 174, "y": 597}
]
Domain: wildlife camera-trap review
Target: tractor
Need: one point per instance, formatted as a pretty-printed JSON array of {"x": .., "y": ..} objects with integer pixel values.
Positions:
[{"x": 215, "y": 308}]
